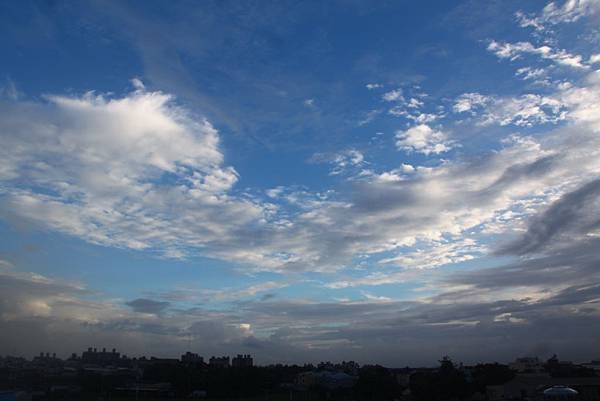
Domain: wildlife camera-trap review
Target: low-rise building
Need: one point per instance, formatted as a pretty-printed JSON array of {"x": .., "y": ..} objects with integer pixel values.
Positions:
[
  {"x": 192, "y": 358},
  {"x": 94, "y": 357},
  {"x": 327, "y": 379},
  {"x": 219, "y": 362},
  {"x": 242, "y": 361},
  {"x": 527, "y": 365}
]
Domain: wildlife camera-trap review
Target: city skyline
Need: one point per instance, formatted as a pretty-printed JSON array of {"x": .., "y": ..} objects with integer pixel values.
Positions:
[
  {"x": 103, "y": 357},
  {"x": 382, "y": 182}
]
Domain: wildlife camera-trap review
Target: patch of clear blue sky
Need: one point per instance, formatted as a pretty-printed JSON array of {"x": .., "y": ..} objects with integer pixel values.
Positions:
[
  {"x": 258, "y": 63},
  {"x": 249, "y": 67}
]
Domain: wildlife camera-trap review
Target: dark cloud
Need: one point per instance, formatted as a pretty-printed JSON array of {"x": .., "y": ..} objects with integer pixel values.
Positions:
[
  {"x": 577, "y": 263},
  {"x": 143, "y": 305},
  {"x": 267, "y": 296},
  {"x": 573, "y": 214},
  {"x": 519, "y": 172}
]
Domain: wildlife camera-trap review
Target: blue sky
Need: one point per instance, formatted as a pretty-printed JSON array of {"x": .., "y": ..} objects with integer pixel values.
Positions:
[{"x": 386, "y": 182}]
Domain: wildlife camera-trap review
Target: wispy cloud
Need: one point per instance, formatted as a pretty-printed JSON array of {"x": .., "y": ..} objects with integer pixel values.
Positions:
[
  {"x": 570, "y": 11},
  {"x": 514, "y": 51}
]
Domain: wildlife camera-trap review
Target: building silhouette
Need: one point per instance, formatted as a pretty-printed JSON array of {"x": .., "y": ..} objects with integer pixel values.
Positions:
[
  {"x": 219, "y": 362},
  {"x": 191, "y": 358},
  {"x": 242, "y": 361},
  {"x": 95, "y": 357}
]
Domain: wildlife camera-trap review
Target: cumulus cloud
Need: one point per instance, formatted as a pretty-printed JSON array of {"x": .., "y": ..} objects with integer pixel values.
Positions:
[
  {"x": 397, "y": 174},
  {"x": 113, "y": 170},
  {"x": 423, "y": 139}
]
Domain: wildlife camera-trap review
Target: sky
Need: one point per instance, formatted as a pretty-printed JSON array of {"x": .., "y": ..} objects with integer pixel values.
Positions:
[{"x": 387, "y": 182}]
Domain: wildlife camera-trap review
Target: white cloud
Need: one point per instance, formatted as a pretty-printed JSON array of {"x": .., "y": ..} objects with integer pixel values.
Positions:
[
  {"x": 275, "y": 192},
  {"x": 595, "y": 58},
  {"x": 570, "y": 11},
  {"x": 98, "y": 170},
  {"x": 470, "y": 101},
  {"x": 514, "y": 51},
  {"x": 537, "y": 75},
  {"x": 525, "y": 111},
  {"x": 423, "y": 139},
  {"x": 389, "y": 176},
  {"x": 138, "y": 84},
  {"x": 583, "y": 102},
  {"x": 407, "y": 168},
  {"x": 9, "y": 90},
  {"x": 424, "y": 118},
  {"x": 341, "y": 162},
  {"x": 114, "y": 170},
  {"x": 234, "y": 294},
  {"x": 437, "y": 253},
  {"x": 376, "y": 298},
  {"x": 395, "y": 175},
  {"x": 310, "y": 103},
  {"x": 455, "y": 197},
  {"x": 120, "y": 172},
  {"x": 370, "y": 116},
  {"x": 528, "y": 21},
  {"x": 373, "y": 86},
  {"x": 393, "y": 96},
  {"x": 508, "y": 317},
  {"x": 414, "y": 103}
]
